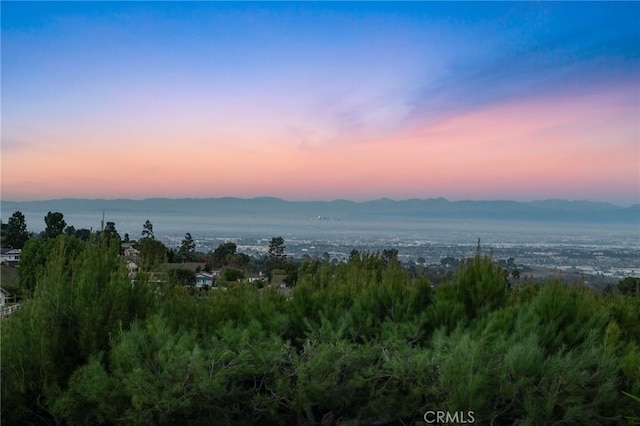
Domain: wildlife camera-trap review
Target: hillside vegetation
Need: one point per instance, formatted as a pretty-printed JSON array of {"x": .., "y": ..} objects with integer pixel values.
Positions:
[
  {"x": 9, "y": 279},
  {"x": 358, "y": 343}
]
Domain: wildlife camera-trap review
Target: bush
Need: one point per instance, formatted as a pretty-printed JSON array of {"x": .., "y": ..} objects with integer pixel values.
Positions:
[{"x": 361, "y": 342}]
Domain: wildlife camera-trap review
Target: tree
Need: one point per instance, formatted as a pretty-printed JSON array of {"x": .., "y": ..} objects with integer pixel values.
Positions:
[
  {"x": 16, "y": 231},
  {"x": 390, "y": 255},
  {"x": 94, "y": 302},
  {"x": 187, "y": 247},
  {"x": 358, "y": 342},
  {"x": 152, "y": 253},
  {"x": 84, "y": 234},
  {"x": 147, "y": 230},
  {"x": 222, "y": 254},
  {"x": 55, "y": 224},
  {"x": 354, "y": 255},
  {"x": 32, "y": 260},
  {"x": 277, "y": 255},
  {"x": 36, "y": 253},
  {"x": 239, "y": 260},
  {"x": 629, "y": 286},
  {"x": 110, "y": 232},
  {"x": 232, "y": 274}
]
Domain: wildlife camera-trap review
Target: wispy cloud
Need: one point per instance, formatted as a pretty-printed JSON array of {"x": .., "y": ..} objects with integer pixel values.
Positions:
[{"x": 584, "y": 57}]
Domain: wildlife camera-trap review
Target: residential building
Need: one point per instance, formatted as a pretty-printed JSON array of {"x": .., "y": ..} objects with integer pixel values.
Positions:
[
  {"x": 10, "y": 256},
  {"x": 205, "y": 278}
]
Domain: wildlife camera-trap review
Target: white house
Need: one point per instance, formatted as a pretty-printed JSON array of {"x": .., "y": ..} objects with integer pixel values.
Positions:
[
  {"x": 205, "y": 278},
  {"x": 10, "y": 256},
  {"x": 131, "y": 252},
  {"x": 5, "y": 297},
  {"x": 258, "y": 277}
]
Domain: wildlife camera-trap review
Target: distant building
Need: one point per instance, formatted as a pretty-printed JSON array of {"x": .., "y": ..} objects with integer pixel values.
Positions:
[
  {"x": 5, "y": 297},
  {"x": 205, "y": 279},
  {"x": 131, "y": 252},
  {"x": 10, "y": 256},
  {"x": 256, "y": 277}
]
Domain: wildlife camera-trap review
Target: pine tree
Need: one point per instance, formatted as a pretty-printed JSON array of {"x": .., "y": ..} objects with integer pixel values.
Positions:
[{"x": 16, "y": 231}]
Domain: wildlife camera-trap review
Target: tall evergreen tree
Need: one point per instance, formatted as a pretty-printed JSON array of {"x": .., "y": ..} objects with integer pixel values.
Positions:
[
  {"x": 55, "y": 224},
  {"x": 187, "y": 247},
  {"x": 277, "y": 254},
  {"x": 16, "y": 231},
  {"x": 110, "y": 231},
  {"x": 147, "y": 230}
]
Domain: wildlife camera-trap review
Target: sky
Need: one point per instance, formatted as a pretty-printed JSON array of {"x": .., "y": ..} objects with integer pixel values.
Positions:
[{"x": 320, "y": 101}]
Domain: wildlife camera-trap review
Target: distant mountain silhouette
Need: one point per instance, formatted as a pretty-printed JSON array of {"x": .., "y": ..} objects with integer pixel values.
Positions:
[{"x": 382, "y": 209}]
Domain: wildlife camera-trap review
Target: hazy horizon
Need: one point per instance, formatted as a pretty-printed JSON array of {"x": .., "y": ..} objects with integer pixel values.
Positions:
[
  {"x": 303, "y": 200},
  {"x": 321, "y": 101},
  {"x": 385, "y": 212},
  {"x": 557, "y": 233}
]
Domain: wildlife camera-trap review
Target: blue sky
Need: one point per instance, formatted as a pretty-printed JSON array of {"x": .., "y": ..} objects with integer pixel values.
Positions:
[{"x": 302, "y": 85}]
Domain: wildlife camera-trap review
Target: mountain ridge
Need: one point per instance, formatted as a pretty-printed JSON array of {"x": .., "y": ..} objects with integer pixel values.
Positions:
[{"x": 382, "y": 208}]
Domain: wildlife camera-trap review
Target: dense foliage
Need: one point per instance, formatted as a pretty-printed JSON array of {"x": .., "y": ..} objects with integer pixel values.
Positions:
[
  {"x": 361, "y": 342},
  {"x": 16, "y": 233}
]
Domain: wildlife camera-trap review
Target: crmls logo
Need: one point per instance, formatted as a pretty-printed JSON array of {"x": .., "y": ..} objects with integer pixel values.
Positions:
[{"x": 444, "y": 417}]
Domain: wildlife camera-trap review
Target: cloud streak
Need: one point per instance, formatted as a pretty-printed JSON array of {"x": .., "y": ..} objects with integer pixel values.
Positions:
[{"x": 569, "y": 60}]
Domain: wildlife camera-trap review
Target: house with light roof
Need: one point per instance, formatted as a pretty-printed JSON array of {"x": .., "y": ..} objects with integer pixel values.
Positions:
[{"x": 10, "y": 256}]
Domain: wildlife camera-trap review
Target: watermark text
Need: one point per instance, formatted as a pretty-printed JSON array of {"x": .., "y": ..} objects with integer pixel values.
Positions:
[{"x": 448, "y": 417}]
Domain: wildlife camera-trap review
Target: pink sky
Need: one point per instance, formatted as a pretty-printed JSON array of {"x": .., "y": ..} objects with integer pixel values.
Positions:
[
  {"x": 321, "y": 101},
  {"x": 580, "y": 147}
]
